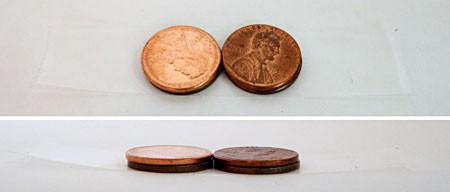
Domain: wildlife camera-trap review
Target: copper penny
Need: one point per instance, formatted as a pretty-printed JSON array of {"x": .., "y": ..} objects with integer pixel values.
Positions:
[
  {"x": 170, "y": 168},
  {"x": 168, "y": 155},
  {"x": 181, "y": 59},
  {"x": 261, "y": 59},
  {"x": 255, "y": 156},
  {"x": 258, "y": 170}
]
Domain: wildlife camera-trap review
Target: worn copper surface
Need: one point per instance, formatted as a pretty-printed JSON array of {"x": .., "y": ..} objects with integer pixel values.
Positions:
[
  {"x": 261, "y": 59},
  {"x": 168, "y": 155},
  {"x": 258, "y": 170},
  {"x": 181, "y": 59},
  {"x": 170, "y": 168},
  {"x": 255, "y": 156}
]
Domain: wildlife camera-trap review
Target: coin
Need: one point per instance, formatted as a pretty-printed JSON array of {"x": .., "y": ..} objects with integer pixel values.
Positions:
[
  {"x": 258, "y": 170},
  {"x": 255, "y": 156},
  {"x": 261, "y": 59},
  {"x": 181, "y": 59},
  {"x": 168, "y": 155},
  {"x": 170, "y": 168}
]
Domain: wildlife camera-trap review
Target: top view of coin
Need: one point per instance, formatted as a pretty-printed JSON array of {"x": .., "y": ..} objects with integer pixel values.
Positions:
[
  {"x": 168, "y": 155},
  {"x": 181, "y": 59},
  {"x": 255, "y": 156},
  {"x": 261, "y": 59}
]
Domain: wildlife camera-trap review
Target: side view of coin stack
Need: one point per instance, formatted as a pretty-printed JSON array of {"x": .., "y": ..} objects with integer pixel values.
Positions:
[
  {"x": 169, "y": 158},
  {"x": 181, "y": 159},
  {"x": 256, "y": 160}
]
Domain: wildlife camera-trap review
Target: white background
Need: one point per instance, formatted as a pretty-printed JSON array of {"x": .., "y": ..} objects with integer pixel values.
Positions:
[
  {"x": 360, "y": 57},
  {"x": 335, "y": 155}
]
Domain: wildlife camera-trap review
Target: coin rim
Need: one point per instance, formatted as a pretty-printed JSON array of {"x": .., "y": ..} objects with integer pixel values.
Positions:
[
  {"x": 261, "y": 89},
  {"x": 258, "y": 170},
  {"x": 262, "y": 92},
  {"x": 163, "y": 161},
  {"x": 188, "y": 90},
  {"x": 255, "y": 163},
  {"x": 171, "y": 168}
]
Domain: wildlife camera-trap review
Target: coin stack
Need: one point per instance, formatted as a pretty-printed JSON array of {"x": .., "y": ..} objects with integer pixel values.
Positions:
[
  {"x": 256, "y": 160},
  {"x": 169, "y": 158},
  {"x": 261, "y": 59},
  {"x": 258, "y": 58},
  {"x": 181, "y": 60}
]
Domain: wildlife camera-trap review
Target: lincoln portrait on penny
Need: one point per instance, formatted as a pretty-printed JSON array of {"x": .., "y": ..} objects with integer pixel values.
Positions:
[{"x": 253, "y": 66}]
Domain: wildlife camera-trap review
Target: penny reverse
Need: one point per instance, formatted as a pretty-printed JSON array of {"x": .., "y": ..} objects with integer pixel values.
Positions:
[
  {"x": 261, "y": 59},
  {"x": 168, "y": 155},
  {"x": 181, "y": 59}
]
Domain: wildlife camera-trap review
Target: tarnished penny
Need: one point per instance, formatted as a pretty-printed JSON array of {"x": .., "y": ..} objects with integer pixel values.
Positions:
[
  {"x": 181, "y": 59},
  {"x": 168, "y": 155},
  {"x": 261, "y": 59},
  {"x": 258, "y": 170},
  {"x": 170, "y": 168},
  {"x": 255, "y": 156}
]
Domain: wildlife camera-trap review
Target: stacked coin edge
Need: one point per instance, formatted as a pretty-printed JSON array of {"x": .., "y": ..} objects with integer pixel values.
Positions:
[
  {"x": 182, "y": 165},
  {"x": 283, "y": 164}
]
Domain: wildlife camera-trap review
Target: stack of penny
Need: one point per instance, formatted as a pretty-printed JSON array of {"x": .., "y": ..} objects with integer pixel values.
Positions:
[
  {"x": 261, "y": 59},
  {"x": 181, "y": 60},
  {"x": 256, "y": 160},
  {"x": 169, "y": 158}
]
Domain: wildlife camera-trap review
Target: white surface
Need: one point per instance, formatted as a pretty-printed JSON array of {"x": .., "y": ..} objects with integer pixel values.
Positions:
[
  {"x": 335, "y": 155},
  {"x": 359, "y": 57}
]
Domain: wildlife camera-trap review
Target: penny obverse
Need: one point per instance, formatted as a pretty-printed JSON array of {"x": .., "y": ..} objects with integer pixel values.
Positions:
[
  {"x": 181, "y": 59},
  {"x": 261, "y": 59}
]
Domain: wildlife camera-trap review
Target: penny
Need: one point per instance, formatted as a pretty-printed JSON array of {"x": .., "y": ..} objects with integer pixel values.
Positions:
[
  {"x": 168, "y": 155},
  {"x": 261, "y": 59},
  {"x": 255, "y": 156},
  {"x": 181, "y": 59},
  {"x": 258, "y": 170},
  {"x": 170, "y": 168}
]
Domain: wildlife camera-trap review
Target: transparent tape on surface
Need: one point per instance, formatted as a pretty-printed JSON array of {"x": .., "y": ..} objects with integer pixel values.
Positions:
[{"x": 336, "y": 62}]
